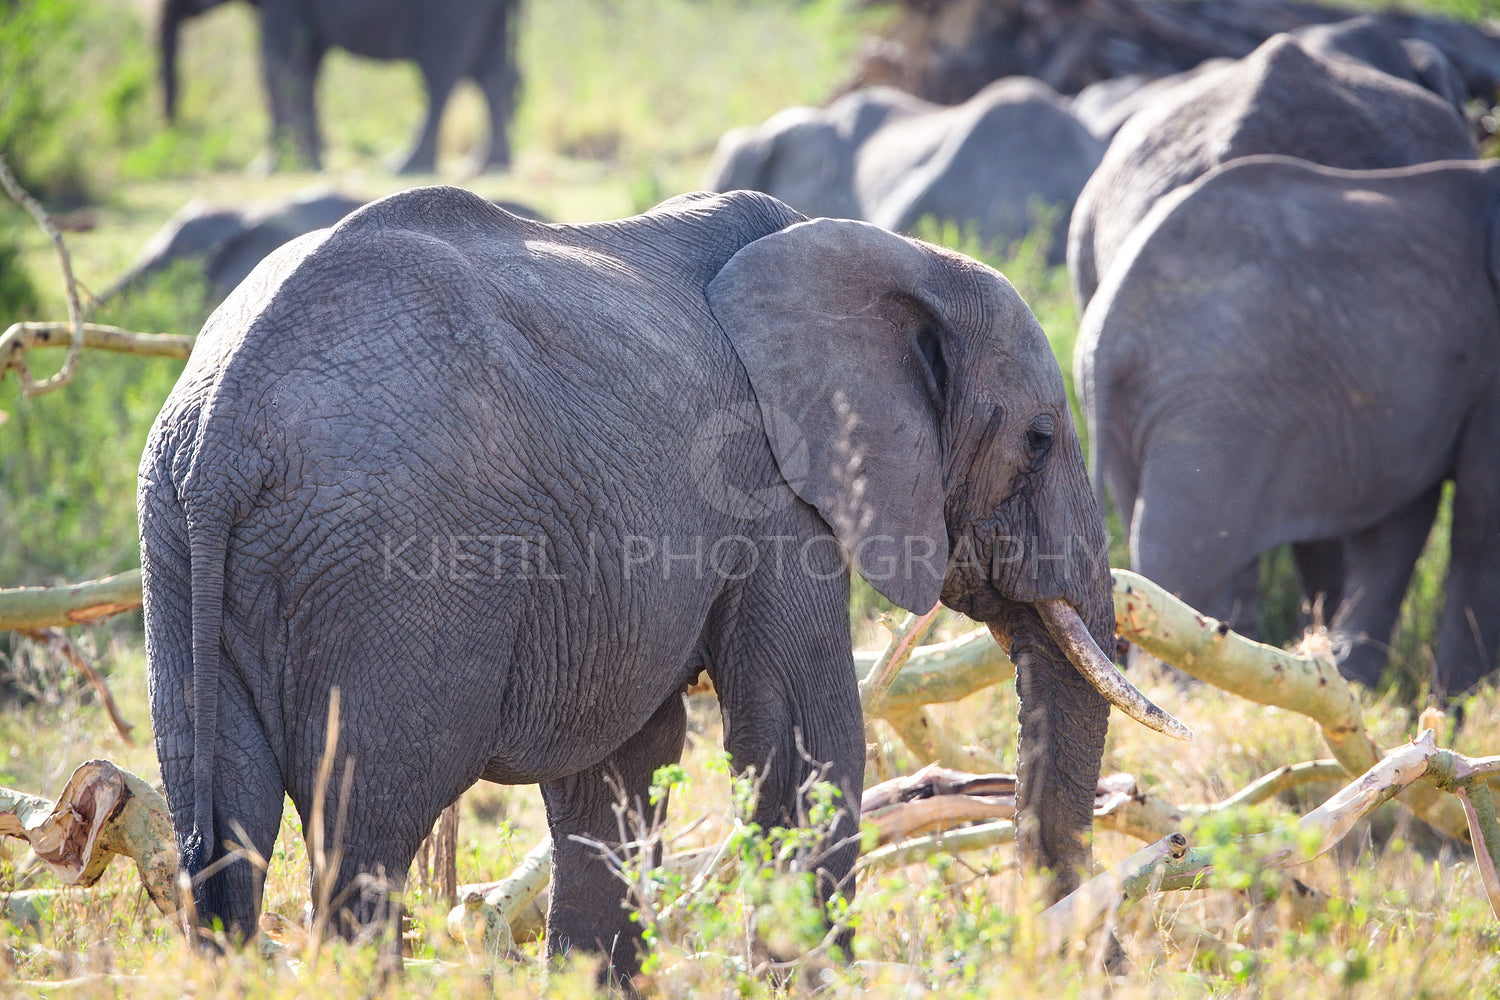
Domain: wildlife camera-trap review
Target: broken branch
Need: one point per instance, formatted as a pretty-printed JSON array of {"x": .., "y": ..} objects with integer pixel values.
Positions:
[
  {"x": 485, "y": 918},
  {"x": 85, "y": 603},
  {"x": 22, "y": 337},
  {"x": 102, "y": 811},
  {"x": 1209, "y": 650}
]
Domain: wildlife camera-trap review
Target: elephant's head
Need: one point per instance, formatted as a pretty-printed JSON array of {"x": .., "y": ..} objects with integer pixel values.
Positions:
[
  {"x": 173, "y": 13},
  {"x": 911, "y": 398}
]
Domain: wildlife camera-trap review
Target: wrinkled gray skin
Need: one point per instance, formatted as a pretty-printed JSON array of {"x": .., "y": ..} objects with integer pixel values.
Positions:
[
  {"x": 889, "y": 158},
  {"x": 1282, "y": 98},
  {"x": 1295, "y": 354},
  {"x": 509, "y": 486},
  {"x": 231, "y": 241},
  {"x": 450, "y": 40}
]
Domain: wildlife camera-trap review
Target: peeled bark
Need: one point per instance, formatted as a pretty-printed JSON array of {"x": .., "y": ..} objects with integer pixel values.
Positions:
[{"x": 75, "y": 604}]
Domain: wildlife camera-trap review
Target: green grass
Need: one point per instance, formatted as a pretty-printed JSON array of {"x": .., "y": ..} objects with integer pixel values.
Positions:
[{"x": 622, "y": 106}]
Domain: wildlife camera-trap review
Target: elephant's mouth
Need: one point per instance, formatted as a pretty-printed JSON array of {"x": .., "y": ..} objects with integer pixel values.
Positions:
[{"x": 1067, "y": 629}]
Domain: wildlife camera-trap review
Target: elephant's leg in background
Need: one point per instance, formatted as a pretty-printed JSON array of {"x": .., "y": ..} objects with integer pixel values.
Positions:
[
  {"x": 1320, "y": 572},
  {"x": 1470, "y": 631},
  {"x": 586, "y": 910},
  {"x": 439, "y": 76},
  {"x": 1244, "y": 607},
  {"x": 1192, "y": 534},
  {"x": 498, "y": 79},
  {"x": 291, "y": 53},
  {"x": 1377, "y": 568}
]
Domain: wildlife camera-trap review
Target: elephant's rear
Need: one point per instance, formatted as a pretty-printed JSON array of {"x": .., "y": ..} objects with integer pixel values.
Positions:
[
  {"x": 183, "y": 551},
  {"x": 198, "y": 477}
]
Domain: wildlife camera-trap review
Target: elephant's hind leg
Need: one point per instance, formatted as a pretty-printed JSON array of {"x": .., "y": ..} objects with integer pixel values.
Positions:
[
  {"x": 1377, "y": 568},
  {"x": 588, "y": 898},
  {"x": 1470, "y": 630},
  {"x": 247, "y": 816},
  {"x": 499, "y": 80}
]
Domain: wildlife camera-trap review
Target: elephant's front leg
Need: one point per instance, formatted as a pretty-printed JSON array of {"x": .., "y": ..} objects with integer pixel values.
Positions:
[
  {"x": 790, "y": 702},
  {"x": 588, "y": 899}
]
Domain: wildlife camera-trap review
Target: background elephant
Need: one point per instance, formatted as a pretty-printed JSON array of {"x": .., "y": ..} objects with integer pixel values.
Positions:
[
  {"x": 1105, "y": 106},
  {"x": 230, "y": 242},
  {"x": 1282, "y": 98},
  {"x": 1370, "y": 41},
  {"x": 1292, "y": 353},
  {"x": 993, "y": 165},
  {"x": 449, "y": 39},
  {"x": 508, "y": 487}
]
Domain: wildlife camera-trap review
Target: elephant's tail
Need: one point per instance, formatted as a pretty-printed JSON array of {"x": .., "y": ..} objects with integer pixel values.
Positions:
[{"x": 208, "y": 544}]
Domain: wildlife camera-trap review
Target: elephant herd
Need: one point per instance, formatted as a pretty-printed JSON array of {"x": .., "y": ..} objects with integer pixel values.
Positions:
[
  {"x": 1286, "y": 266},
  {"x": 497, "y": 489}
]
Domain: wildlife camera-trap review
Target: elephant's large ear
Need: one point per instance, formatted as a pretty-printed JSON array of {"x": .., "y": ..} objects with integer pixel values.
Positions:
[{"x": 848, "y": 345}]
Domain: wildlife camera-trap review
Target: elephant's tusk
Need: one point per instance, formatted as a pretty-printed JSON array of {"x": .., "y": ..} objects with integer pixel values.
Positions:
[{"x": 1068, "y": 631}]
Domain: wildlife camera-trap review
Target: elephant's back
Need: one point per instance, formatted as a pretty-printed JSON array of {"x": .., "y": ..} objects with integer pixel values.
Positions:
[
  {"x": 1280, "y": 99},
  {"x": 1276, "y": 294}
]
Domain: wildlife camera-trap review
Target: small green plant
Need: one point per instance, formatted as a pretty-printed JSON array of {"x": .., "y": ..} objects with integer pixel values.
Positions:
[{"x": 747, "y": 906}]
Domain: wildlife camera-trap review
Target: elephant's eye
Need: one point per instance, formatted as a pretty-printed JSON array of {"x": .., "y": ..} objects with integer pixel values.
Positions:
[{"x": 1039, "y": 438}]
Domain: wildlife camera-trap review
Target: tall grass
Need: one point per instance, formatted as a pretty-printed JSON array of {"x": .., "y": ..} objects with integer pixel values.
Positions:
[{"x": 623, "y": 102}]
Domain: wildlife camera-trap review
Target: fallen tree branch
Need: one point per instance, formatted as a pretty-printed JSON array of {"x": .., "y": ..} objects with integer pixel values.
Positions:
[
  {"x": 22, "y": 337},
  {"x": 1209, "y": 650},
  {"x": 102, "y": 811},
  {"x": 876, "y": 683},
  {"x": 944, "y": 671},
  {"x": 1325, "y": 826},
  {"x": 85, "y": 603},
  {"x": 485, "y": 918},
  {"x": 1082, "y": 909},
  {"x": 62, "y": 646}
]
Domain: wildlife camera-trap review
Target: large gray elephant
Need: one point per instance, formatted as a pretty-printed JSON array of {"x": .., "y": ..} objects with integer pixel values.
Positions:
[
  {"x": 450, "y": 40},
  {"x": 1290, "y": 353},
  {"x": 507, "y": 487},
  {"x": 1009, "y": 157},
  {"x": 1282, "y": 98}
]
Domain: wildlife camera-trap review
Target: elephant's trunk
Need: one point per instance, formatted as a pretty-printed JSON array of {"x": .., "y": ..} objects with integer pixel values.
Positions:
[
  {"x": 1064, "y": 721},
  {"x": 1072, "y": 637},
  {"x": 171, "y": 18}
]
